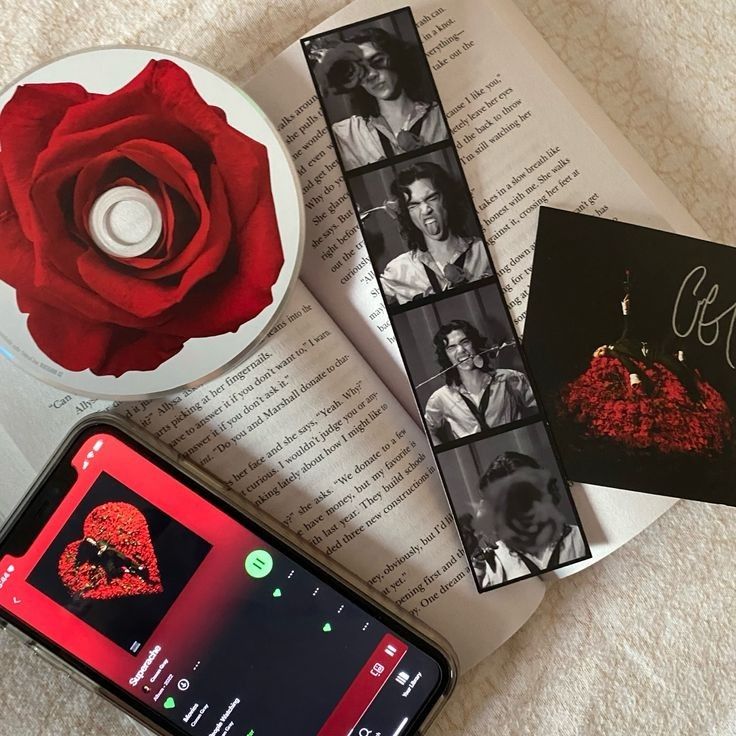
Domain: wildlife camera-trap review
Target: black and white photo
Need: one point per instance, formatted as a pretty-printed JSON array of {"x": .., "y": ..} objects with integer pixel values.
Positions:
[
  {"x": 513, "y": 507},
  {"x": 420, "y": 228},
  {"x": 465, "y": 365},
  {"x": 378, "y": 94}
]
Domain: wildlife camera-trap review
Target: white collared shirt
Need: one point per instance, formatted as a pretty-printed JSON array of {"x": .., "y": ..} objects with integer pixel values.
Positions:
[
  {"x": 510, "y": 396},
  {"x": 360, "y": 144},
  {"x": 405, "y": 277},
  {"x": 509, "y": 564}
]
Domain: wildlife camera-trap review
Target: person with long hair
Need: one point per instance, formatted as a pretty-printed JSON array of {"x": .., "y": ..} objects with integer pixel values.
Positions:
[
  {"x": 441, "y": 253},
  {"x": 380, "y": 75},
  {"x": 476, "y": 396}
]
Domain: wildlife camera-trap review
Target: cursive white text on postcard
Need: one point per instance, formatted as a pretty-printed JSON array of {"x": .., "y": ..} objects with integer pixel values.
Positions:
[{"x": 707, "y": 320}]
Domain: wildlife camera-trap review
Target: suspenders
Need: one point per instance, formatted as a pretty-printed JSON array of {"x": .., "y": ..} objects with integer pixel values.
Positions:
[
  {"x": 388, "y": 151},
  {"x": 479, "y": 412},
  {"x": 489, "y": 557}
]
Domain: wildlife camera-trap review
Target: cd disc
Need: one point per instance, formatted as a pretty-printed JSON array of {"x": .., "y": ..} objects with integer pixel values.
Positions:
[{"x": 151, "y": 223}]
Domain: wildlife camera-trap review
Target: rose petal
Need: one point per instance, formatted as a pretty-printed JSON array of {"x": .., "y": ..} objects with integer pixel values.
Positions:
[
  {"x": 246, "y": 290},
  {"x": 57, "y": 166},
  {"x": 60, "y": 260},
  {"x": 54, "y": 289},
  {"x": 26, "y": 123},
  {"x": 174, "y": 170},
  {"x": 138, "y": 95},
  {"x": 94, "y": 179},
  {"x": 260, "y": 256},
  {"x": 59, "y": 256},
  {"x": 180, "y": 225},
  {"x": 104, "y": 349},
  {"x": 16, "y": 263},
  {"x": 100, "y": 175},
  {"x": 81, "y": 146},
  {"x": 173, "y": 219},
  {"x": 53, "y": 212},
  {"x": 242, "y": 161}
]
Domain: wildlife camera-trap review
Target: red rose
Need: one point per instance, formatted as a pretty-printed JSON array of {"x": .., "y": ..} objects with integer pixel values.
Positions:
[
  {"x": 393, "y": 208},
  {"x": 409, "y": 141},
  {"x": 454, "y": 274},
  {"x": 219, "y": 252},
  {"x": 341, "y": 68},
  {"x": 605, "y": 405}
]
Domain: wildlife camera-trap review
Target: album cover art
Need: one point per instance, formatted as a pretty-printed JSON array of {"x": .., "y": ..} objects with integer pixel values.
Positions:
[
  {"x": 119, "y": 563},
  {"x": 630, "y": 334}
]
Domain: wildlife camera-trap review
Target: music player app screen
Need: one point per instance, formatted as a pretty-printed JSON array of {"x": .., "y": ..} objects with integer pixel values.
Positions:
[{"x": 191, "y": 613}]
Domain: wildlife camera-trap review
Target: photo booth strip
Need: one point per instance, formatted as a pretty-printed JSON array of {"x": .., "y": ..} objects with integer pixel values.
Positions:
[{"x": 510, "y": 528}]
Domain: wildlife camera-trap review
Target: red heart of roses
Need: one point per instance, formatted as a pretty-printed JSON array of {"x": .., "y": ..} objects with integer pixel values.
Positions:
[{"x": 115, "y": 558}]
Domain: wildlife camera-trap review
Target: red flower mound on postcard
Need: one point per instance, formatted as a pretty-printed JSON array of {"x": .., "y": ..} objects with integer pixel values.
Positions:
[
  {"x": 115, "y": 557},
  {"x": 219, "y": 252},
  {"x": 667, "y": 419}
]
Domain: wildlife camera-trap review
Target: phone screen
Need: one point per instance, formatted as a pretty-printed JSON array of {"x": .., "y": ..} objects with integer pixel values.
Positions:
[{"x": 206, "y": 623}]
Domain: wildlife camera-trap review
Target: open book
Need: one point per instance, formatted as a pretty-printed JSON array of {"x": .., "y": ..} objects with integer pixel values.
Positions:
[{"x": 319, "y": 427}]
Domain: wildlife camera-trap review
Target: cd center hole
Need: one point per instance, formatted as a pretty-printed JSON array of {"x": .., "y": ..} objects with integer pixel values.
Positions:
[{"x": 129, "y": 221}]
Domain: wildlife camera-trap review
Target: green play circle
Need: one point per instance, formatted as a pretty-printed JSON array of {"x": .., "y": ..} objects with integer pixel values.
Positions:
[{"x": 258, "y": 563}]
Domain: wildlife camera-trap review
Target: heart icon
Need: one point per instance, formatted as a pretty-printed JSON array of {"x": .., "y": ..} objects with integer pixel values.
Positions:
[
  {"x": 277, "y": 593},
  {"x": 169, "y": 703},
  {"x": 327, "y": 628},
  {"x": 115, "y": 557}
]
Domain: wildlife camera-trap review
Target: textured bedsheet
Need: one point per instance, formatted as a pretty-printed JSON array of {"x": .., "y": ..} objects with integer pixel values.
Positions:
[{"x": 643, "y": 642}]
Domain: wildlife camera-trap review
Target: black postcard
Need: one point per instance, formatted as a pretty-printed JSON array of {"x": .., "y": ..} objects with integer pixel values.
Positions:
[{"x": 630, "y": 335}]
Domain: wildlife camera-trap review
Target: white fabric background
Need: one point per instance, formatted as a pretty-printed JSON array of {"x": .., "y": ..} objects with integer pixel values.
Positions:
[{"x": 645, "y": 641}]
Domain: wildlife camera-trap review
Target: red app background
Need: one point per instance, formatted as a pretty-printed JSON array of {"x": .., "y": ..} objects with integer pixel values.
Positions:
[{"x": 204, "y": 597}]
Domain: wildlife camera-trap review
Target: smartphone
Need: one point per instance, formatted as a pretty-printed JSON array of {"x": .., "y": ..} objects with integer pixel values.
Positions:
[{"x": 125, "y": 566}]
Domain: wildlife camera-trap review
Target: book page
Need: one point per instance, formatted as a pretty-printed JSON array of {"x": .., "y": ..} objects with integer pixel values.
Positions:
[
  {"x": 306, "y": 431},
  {"x": 527, "y": 134}
]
